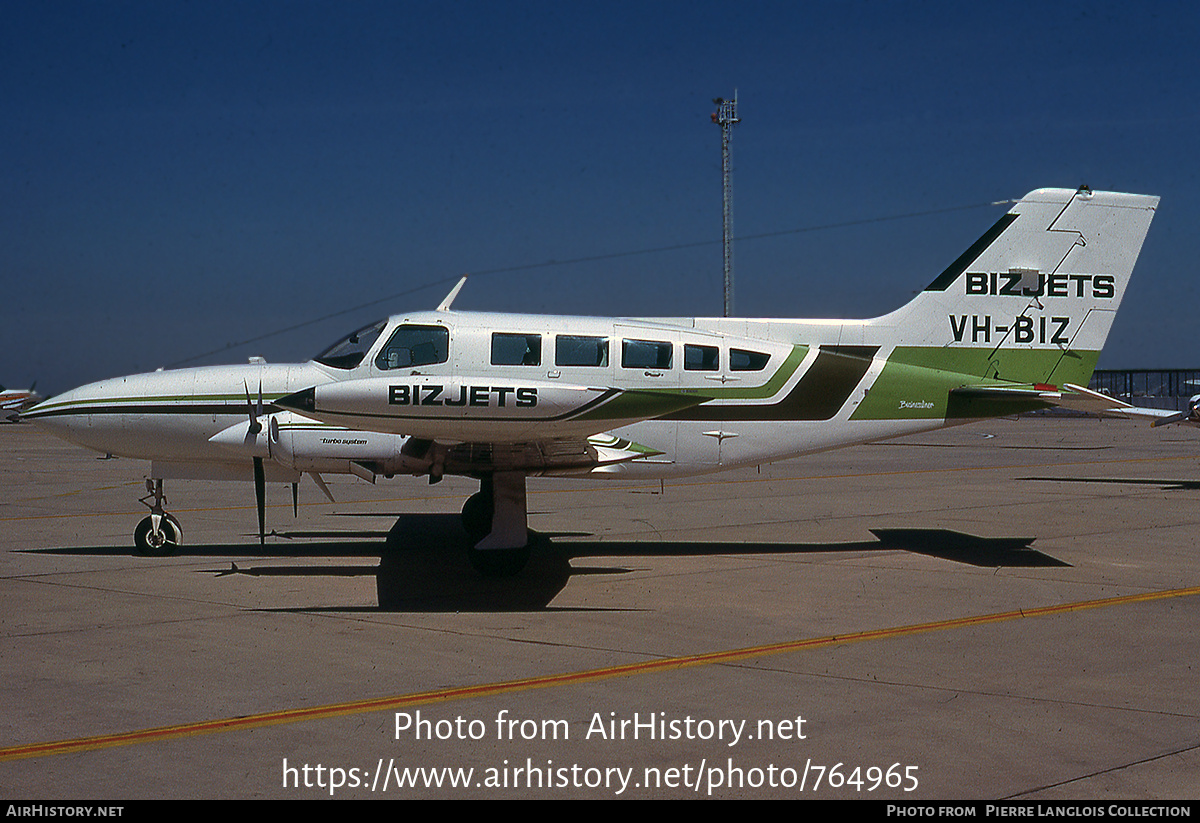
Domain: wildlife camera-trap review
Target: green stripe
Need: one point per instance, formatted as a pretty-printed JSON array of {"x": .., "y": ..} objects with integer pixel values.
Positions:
[
  {"x": 670, "y": 404},
  {"x": 240, "y": 399},
  {"x": 768, "y": 389}
]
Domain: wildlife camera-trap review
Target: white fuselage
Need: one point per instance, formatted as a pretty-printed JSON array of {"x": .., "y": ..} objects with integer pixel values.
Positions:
[{"x": 173, "y": 417}]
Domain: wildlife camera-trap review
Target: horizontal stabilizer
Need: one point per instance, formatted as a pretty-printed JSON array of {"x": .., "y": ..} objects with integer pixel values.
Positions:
[{"x": 1069, "y": 396}]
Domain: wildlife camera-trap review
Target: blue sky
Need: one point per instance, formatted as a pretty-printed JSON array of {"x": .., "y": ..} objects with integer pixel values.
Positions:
[{"x": 179, "y": 177}]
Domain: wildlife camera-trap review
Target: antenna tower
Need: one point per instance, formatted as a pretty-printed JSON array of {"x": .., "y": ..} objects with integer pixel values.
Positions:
[{"x": 726, "y": 117}]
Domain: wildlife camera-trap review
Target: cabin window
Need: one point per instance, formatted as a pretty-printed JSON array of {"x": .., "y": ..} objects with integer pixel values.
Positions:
[
  {"x": 701, "y": 358},
  {"x": 742, "y": 360},
  {"x": 575, "y": 350},
  {"x": 645, "y": 354},
  {"x": 415, "y": 346},
  {"x": 516, "y": 349}
]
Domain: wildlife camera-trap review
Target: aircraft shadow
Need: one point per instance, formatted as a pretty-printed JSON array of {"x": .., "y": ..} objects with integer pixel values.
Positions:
[
  {"x": 423, "y": 564},
  {"x": 1164, "y": 485}
]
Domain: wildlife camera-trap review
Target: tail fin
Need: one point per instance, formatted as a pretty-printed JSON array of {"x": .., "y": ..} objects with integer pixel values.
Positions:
[{"x": 1032, "y": 301}]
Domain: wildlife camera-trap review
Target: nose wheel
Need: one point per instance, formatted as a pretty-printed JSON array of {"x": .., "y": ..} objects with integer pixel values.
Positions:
[
  {"x": 160, "y": 541},
  {"x": 159, "y": 533}
]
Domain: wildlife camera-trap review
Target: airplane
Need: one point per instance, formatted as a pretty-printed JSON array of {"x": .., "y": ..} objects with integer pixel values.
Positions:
[
  {"x": 1015, "y": 324},
  {"x": 13, "y": 401},
  {"x": 1190, "y": 416}
]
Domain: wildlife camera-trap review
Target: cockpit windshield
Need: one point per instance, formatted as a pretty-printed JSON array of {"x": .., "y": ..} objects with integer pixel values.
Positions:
[{"x": 350, "y": 350}]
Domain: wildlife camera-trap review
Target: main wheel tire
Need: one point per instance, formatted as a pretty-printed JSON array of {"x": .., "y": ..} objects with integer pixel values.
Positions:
[
  {"x": 498, "y": 562},
  {"x": 477, "y": 516},
  {"x": 157, "y": 545}
]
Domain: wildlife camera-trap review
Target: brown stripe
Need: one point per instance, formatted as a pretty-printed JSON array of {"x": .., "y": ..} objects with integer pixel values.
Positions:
[{"x": 818, "y": 395}]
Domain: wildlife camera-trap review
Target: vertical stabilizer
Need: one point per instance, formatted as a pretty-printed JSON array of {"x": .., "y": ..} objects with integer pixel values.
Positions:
[
  {"x": 1029, "y": 304},
  {"x": 1034, "y": 298}
]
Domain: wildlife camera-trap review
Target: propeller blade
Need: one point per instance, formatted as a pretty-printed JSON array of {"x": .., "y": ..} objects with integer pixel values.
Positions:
[
  {"x": 260, "y": 497},
  {"x": 255, "y": 426},
  {"x": 272, "y": 435}
]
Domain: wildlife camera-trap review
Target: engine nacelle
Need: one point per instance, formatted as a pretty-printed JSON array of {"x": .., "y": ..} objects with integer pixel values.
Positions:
[{"x": 309, "y": 446}]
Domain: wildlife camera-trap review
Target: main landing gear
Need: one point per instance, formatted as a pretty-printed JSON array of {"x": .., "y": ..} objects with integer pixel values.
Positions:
[
  {"x": 159, "y": 533},
  {"x": 497, "y": 523}
]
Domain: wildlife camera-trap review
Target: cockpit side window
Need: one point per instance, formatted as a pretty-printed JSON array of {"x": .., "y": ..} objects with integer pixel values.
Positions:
[
  {"x": 351, "y": 349},
  {"x": 414, "y": 346}
]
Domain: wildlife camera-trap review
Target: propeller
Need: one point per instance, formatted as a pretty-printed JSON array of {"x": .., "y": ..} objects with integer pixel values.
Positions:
[
  {"x": 260, "y": 477},
  {"x": 254, "y": 413}
]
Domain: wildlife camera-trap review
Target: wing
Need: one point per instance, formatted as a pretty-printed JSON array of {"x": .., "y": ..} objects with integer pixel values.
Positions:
[
  {"x": 291, "y": 444},
  {"x": 566, "y": 455}
]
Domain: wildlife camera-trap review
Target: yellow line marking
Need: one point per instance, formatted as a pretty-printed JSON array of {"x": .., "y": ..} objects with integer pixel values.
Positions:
[{"x": 83, "y": 744}]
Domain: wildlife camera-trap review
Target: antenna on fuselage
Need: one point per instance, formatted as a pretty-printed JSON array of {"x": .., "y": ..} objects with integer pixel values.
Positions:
[
  {"x": 726, "y": 117},
  {"x": 445, "y": 304}
]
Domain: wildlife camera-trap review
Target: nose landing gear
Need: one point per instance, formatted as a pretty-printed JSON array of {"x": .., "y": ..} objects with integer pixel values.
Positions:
[{"x": 159, "y": 533}]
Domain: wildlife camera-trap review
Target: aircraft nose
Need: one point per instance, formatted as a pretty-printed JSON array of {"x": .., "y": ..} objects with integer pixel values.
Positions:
[
  {"x": 43, "y": 409},
  {"x": 32, "y": 410},
  {"x": 70, "y": 415},
  {"x": 56, "y": 412}
]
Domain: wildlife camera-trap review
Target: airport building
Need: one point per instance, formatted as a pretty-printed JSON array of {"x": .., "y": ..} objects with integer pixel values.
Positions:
[{"x": 1150, "y": 388}]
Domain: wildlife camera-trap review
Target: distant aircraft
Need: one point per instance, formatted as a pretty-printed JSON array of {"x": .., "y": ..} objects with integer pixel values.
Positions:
[
  {"x": 1158, "y": 417},
  {"x": 1190, "y": 416},
  {"x": 1016, "y": 323},
  {"x": 14, "y": 401}
]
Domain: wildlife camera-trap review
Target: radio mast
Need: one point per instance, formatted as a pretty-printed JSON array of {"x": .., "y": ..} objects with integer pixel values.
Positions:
[{"x": 726, "y": 117}]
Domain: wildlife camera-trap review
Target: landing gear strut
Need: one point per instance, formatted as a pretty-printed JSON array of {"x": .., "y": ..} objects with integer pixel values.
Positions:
[
  {"x": 159, "y": 533},
  {"x": 496, "y": 521}
]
